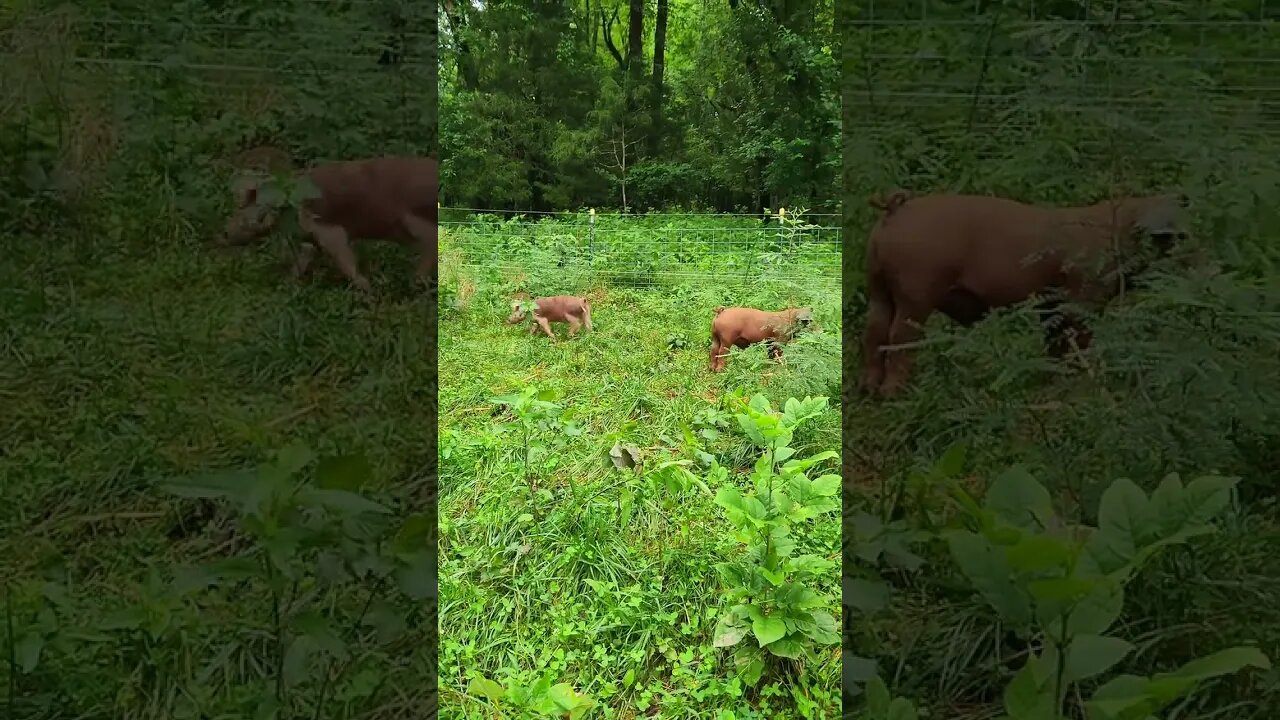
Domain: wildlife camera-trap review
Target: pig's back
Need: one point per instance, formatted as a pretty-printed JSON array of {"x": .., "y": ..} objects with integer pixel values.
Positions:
[{"x": 374, "y": 193}]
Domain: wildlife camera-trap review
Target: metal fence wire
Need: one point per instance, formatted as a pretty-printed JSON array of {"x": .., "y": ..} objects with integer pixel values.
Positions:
[
  {"x": 645, "y": 250},
  {"x": 324, "y": 78},
  {"x": 1050, "y": 100}
]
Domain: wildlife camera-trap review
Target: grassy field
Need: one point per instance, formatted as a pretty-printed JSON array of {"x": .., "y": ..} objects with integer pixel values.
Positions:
[
  {"x": 558, "y": 566},
  {"x": 128, "y": 363}
]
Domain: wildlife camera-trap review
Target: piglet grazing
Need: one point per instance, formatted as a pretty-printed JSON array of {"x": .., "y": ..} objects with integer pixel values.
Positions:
[
  {"x": 741, "y": 327},
  {"x": 385, "y": 198},
  {"x": 561, "y": 308}
]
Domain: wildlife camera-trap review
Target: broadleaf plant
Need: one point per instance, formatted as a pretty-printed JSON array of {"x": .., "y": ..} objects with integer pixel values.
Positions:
[
  {"x": 775, "y": 611},
  {"x": 1061, "y": 587}
]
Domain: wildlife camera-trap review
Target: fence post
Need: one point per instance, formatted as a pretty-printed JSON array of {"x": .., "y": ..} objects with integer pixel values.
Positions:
[{"x": 591, "y": 245}]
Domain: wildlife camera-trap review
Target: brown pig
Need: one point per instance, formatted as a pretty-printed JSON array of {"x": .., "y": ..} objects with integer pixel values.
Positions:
[
  {"x": 384, "y": 198},
  {"x": 561, "y": 308},
  {"x": 741, "y": 327},
  {"x": 963, "y": 255}
]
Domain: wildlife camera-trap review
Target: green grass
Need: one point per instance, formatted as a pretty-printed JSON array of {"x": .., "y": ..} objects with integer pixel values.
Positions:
[
  {"x": 564, "y": 584},
  {"x": 125, "y": 364}
]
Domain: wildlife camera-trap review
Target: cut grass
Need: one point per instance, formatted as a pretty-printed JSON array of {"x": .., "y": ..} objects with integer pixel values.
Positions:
[{"x": 555, "y": 585}]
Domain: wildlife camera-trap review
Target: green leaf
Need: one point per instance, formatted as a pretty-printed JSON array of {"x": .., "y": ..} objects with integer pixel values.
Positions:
[
  {"x": 1091, "y": 655},
  {"x": 1019, "y": 500},
  {"x": 386, "y": 620},
  {"x": 1176, "y": 508},
  {"x": 297, "y": 660},
  {"x": 304, "y": 189},
  {"x": 563, "y": 696},
  {"x": 1128, "y": 696},
  {"x": 1094, "y": 614},
  {"x": 232, "y": 485},
  {"x": 768, "y": 629},
  {"x": 901, "y": 709},
  {"x": 1223, "y": 662},
  {"x": 1036, "y": 553},
  {"x": 416, "y": 534},
  {"x": 787, "y": 648},
  {"x": 792, "y": 466},
  {"x": 1025, "y": 699},
  {"x": 824, "y": 628},
  {"x": 27, "y": 652},
  {"x": 728, "y": 633},
  {"x": 811, "y": 564},
  {"x": 1120, "y": 696},
  {"x": 341, "y": 500},
  {"x": 293, "y": 457},
  {"x": 487, "y": 689},
  {"x": 1124, "y": 526},
  {"x": 825, "y": 486},
  {"x": 344, "y": 472},
  {"x": 987, "y": 569},
  {"x": 1064, "y": 590},
  {"x": 952, "y": 461},
  {"x": 314, "y": 626},
  {"x": 416, "y": 576},
  {"x": 878, "y": 697}
]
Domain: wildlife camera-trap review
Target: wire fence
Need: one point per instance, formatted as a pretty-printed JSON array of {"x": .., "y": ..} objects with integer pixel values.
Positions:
[
  {"x": 320, "y": 78},
  {"x": 1122, "y": 89},
  {"x": 644, "y": 250},
  {"x": 1068, "y": 101}
]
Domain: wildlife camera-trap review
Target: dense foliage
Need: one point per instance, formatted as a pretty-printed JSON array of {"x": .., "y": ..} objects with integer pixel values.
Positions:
[
  {"x": 1067, "y": 103},
  {"x": 561, "y": 105}
]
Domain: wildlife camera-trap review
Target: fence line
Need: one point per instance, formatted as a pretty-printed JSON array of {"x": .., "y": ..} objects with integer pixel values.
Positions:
[
  {"x": 615, "y": 250},
  {"x": 638, "y": 215},
  {"x": 977, "y": 97}
]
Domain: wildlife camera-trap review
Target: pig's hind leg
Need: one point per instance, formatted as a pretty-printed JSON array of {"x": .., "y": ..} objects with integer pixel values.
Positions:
[
  {"x": 717, "y": 354},
  {"x": 424, "y": 232}
]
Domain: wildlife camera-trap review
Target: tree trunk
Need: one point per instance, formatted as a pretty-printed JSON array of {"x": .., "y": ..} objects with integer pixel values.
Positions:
[
  {"x": 467, "y": 70},
  {"x": 659, "y": 68},
  {"x": 635, "y": 52}
]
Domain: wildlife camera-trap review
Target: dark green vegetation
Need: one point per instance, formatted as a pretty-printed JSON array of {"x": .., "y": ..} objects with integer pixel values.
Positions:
[
  {"x": 135, "y": 360},
  {"x": 967, "y": 605},
  {"x": 673, "y": 103},
  {"x": 610, "y": 510}
]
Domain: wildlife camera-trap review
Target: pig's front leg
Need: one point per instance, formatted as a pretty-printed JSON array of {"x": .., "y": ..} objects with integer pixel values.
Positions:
[
  {"x": 303, "y": 260},
  {"x": 337, "y": 244},
  {"x": 546, "y": 326}
]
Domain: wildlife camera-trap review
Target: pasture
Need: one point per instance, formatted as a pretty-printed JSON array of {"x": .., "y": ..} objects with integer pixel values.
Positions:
[{"x": 580, "y": 531}]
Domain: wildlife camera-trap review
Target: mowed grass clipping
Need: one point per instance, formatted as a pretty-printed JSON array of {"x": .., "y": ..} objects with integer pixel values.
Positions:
[{"x": 567, "y": 585}]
